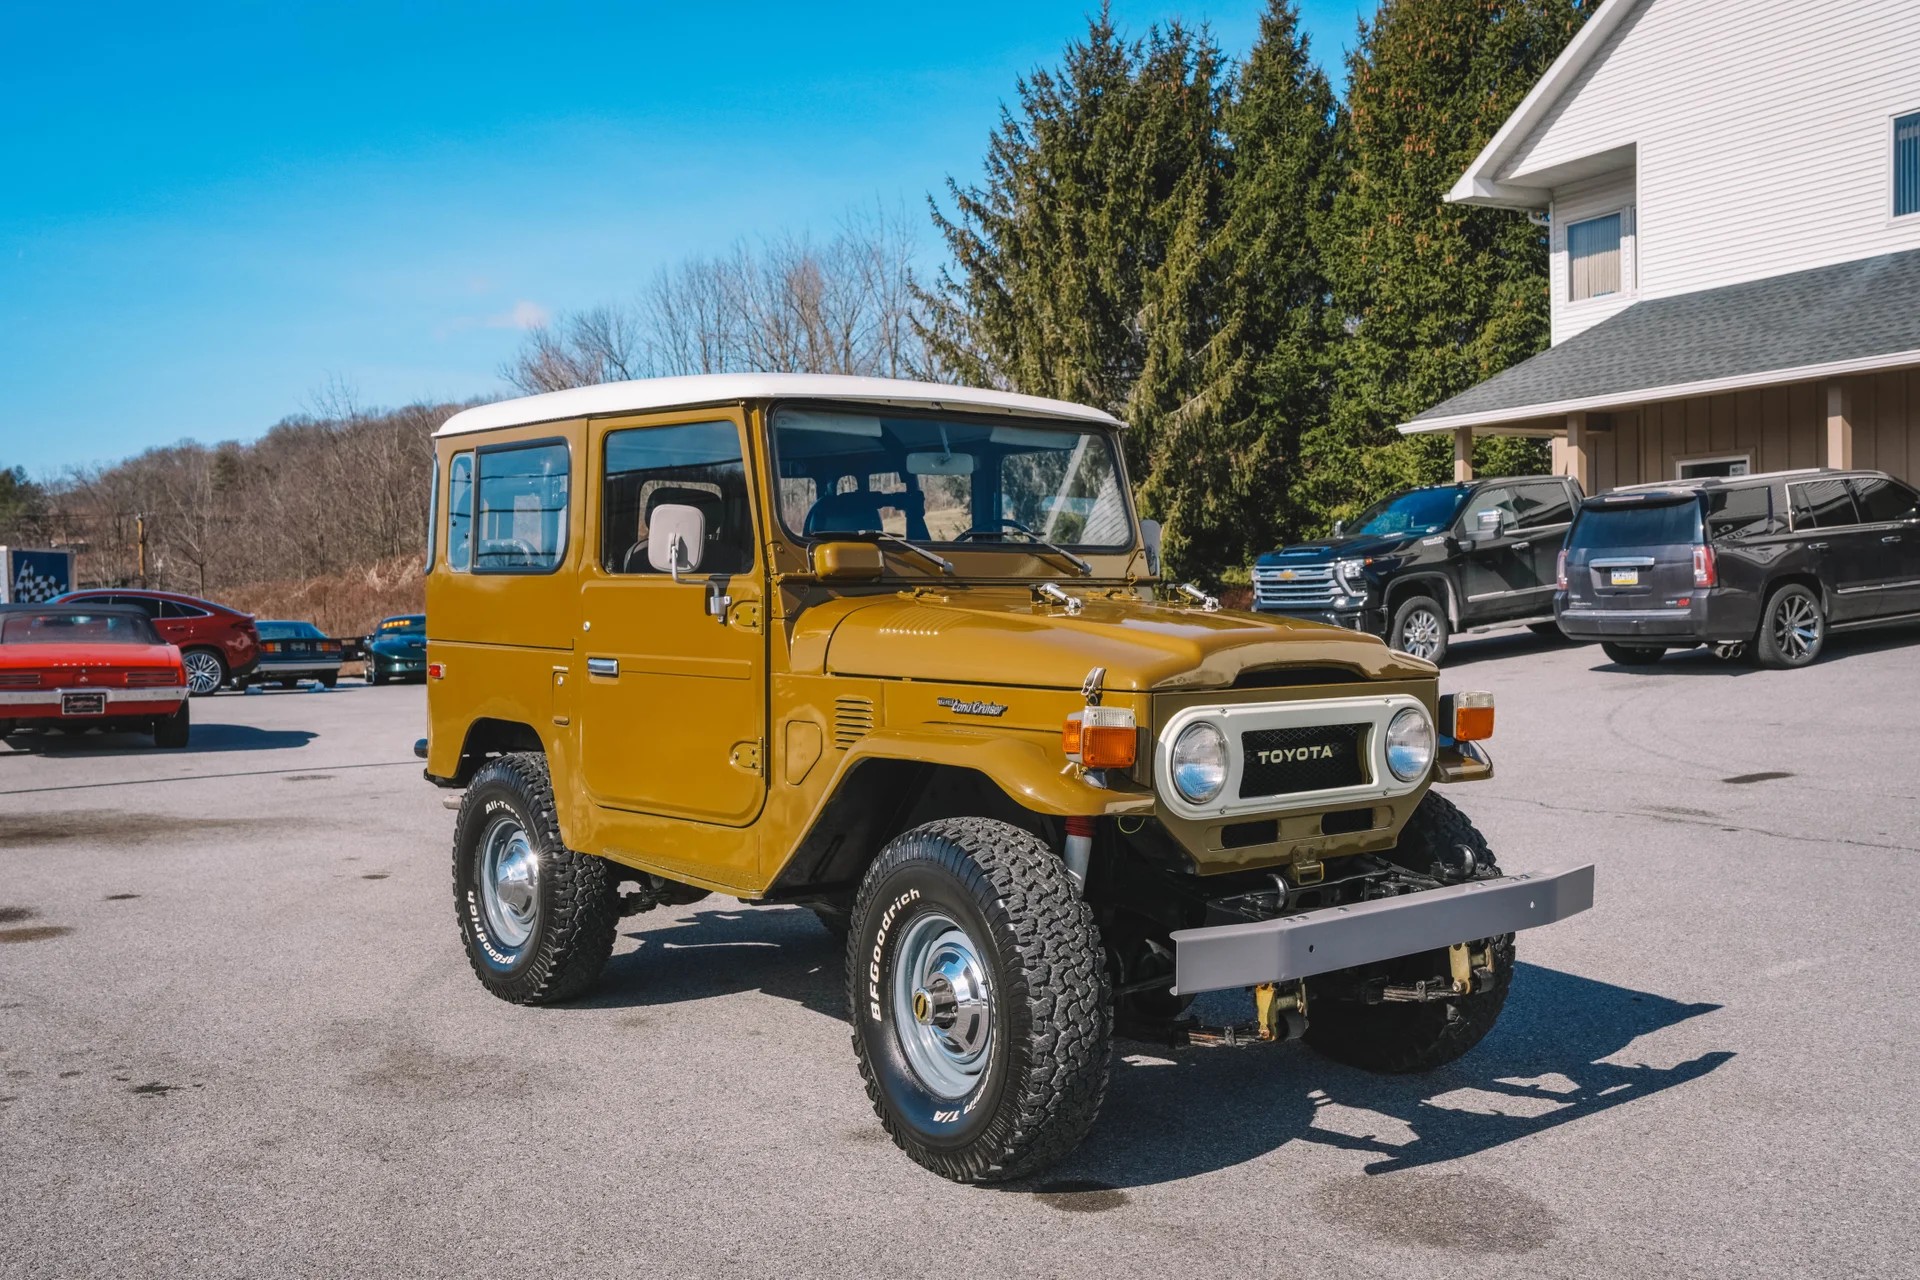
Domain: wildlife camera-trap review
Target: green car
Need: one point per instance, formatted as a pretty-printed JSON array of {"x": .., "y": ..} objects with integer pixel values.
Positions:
[{"x": 397, "y": 649}]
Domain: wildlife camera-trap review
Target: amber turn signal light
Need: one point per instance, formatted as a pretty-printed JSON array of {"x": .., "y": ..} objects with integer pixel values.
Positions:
[
  {"x": 1101, "y": 737},
  {"x": 1467, "y": 717}
]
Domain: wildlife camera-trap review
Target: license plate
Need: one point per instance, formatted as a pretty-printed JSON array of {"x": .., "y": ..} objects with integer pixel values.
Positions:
[
  {"x": 83, "y": 704},
  {"x": 1626, "y": 577}
]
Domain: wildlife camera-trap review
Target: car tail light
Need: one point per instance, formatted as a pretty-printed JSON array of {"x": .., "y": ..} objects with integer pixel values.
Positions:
[
  {"x": 19, "y": 679},
  {"x": 436, "y": 671},
  {"x": 1560, "y": 569},
  {"x": 330, "y": 646},
  {"x": 1101, "y": 737},
  {"x": 271, "y": 646},
  {"x": 1467, "y": 717},
  {"x": 155, "y": 676},
  {"x": 1704, "y": 572}
]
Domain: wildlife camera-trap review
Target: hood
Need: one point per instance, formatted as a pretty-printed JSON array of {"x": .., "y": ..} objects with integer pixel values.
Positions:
[
  {"x": 987, "y": 636},
  {"x": 402, "y": 643},
  {"x": 1352, "y": 546}
]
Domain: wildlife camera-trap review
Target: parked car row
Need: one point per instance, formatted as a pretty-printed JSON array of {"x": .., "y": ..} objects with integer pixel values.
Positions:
[{"x": 1769, "y": 564}]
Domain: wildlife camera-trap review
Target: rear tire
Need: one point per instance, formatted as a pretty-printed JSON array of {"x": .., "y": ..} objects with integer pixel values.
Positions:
[
  {"x": 538, "y": 920},
  {"x": 1793, "y": 630},
  {"x": 1633, "y": 655},
  {"x": 1420, "y": 628},
  {"x": 206, "y": 672},
  {"x": 173, "y": 731},
  {"x": 977, "y": 922}
]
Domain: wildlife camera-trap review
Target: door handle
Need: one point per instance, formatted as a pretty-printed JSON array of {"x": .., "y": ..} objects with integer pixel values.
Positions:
[
  {"x": 603, "y": 666},
  {"x": 1892, "y": 537},
  {"x": 1817, "y": 546},
  {"x": 1522, "y": 546}
]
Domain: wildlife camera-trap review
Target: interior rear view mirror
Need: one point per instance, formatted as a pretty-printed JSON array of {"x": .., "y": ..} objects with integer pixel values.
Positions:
[
  {"x": 676, "y": 539},
  {"x": 939, "y": 464},
  {"x": 846, "y": 561}
]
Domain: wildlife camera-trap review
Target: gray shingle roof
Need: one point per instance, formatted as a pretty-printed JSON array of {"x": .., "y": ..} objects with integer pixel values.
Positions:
[{"x": 1852, "y": 311}]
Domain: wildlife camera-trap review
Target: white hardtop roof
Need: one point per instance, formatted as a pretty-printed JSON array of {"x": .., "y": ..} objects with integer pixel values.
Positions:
[{"x": 649, "y": 394}]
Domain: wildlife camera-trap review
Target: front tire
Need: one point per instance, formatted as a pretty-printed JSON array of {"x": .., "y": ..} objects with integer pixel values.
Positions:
[
  {"x": 538, "y": 919},
  {"x": 206, "y": 672},
  {"x": 980, "y": 1000},
  {"x": 373, "y": 673},
  {"x": 1633, "y": 655},
  {"x": 1793, "y": 630},
  {"x": 1420, "y": 628}
]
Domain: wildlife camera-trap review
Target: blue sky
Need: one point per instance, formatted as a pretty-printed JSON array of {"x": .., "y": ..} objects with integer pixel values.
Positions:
[{"x": 209, "y": 213}]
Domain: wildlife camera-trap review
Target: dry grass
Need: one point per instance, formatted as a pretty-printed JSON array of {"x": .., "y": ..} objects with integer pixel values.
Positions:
[{"x": 343, "y": 604}]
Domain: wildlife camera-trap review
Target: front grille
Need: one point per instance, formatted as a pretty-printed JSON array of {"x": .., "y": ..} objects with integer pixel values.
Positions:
[
  {"x": 1279, "y": 762},
  {"x": 1293, "y": 586},
  {"x": 852, "y": 720}
]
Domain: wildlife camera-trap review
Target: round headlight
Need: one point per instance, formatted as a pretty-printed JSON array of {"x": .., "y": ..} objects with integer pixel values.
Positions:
[
  {"x": 1410, "y": 745},
  {"x": 1200, "y": 762}
]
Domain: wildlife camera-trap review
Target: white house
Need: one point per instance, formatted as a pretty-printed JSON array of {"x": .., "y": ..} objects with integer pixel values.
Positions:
[{"x": 1733, "y": 191}]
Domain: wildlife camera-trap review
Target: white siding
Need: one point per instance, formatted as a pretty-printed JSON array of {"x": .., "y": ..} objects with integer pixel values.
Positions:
[
  {"x": 1594, "y": 198},
  {"x": 1762, "y": 136}
]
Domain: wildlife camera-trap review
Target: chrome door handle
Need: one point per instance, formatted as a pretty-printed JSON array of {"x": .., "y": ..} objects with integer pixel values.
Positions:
[
  {"x": 603, "y": 666},
  {"x": 1522, "y": 546},
  {"x": 1817, "y": 546},
  {"x": 1892, "y": 537}
]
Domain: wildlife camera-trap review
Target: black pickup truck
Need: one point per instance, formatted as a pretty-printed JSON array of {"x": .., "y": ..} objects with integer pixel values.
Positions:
[{"x": 1425, "y": 565}]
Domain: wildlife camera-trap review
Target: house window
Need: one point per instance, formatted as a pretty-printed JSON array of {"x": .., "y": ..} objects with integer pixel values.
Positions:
[
  {"x": 1593, "y": 256},
  {"x": 1906, "y": 165},
  {"x": 1738, "y": 464}
]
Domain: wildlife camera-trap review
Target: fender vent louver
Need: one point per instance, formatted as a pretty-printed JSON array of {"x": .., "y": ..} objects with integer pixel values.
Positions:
[{"x": 852, "y": 720}]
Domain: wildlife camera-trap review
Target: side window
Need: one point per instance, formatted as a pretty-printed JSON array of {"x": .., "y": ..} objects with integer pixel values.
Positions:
[
  {"x": 1542, "y": 506},
  {"x": 460, "y": 513},
  {"x": 1475, "y": 521},
  {"x": 173, "y": 609},
  {"x": 520, "y": 521},
  {"x": 148, "y": 603},
  {"x": 694, "y": 465},
  {"x": 1741, "y": 513},
  {"x": 433, "y": 512},
  {"x": 1884, "y": 501},
  {"x": 1822, "y": 504}
]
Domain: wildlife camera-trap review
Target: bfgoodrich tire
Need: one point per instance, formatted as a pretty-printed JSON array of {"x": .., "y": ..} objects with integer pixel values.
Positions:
[
  {"x": 537, "y": 918},
  {"x": 1793, "y": 630},
  {"x": 1402, "y": 1038},
  {"x": 980, "y": 1002},
  {"x": 1420, "y": 628}
]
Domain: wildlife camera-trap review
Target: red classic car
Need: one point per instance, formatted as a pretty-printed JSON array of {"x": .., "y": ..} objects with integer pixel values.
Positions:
[{"x": 81, "y": 666}]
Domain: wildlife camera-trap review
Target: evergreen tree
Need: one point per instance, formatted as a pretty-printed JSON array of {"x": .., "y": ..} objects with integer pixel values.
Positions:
[
  {"x": 1437, "y": 296},
  {"x": 1238, "y": 369}
]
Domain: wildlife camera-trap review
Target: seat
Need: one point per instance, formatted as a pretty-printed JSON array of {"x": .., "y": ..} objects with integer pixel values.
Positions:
[{"x": 857, "y": 512}]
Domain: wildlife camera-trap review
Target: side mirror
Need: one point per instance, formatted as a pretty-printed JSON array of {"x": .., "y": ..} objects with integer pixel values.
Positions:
[
  {"x": 1339, "y": 528},
  {"x": 1489, "y": 521},
  {"x": 846, "y": 561},
  {"x": 1150, "y": 536},
  {"x": 676, "y": 539}
]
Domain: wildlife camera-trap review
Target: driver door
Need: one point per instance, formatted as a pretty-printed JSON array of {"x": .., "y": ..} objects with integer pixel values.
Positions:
[
  {"x": 1497, "y": 569},
  {"x": 672, "y": 703}
]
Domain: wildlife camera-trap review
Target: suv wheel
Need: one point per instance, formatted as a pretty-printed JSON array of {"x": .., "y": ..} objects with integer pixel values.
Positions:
[
  {"x": 1420, "y": 628},
  {"x": 538, "y": 919},
  {"x": 206, "y": 671},
  {"x": 980, "y": 1000},
  {"x": 1398, "y": 1038},
  {"x": 1633, "y": 655},
  {"x": 1792, "y": 628}
]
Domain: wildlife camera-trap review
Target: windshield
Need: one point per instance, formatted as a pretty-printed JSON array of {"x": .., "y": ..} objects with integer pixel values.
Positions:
[
  {"x": 947, "y": 480},
  {"x": 1666, "y": 525},
  {"x": 1417, "y": 511},
  {"x": 403, "y": 626},
  {"x": 75, "y": 626}
]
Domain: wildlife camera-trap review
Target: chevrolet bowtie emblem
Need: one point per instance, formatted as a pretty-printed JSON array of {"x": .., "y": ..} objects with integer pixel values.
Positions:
[{"x": 1287, "y": 575}]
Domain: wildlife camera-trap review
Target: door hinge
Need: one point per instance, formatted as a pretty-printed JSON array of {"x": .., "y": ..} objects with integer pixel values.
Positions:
[{"x": 746, "y": 757}]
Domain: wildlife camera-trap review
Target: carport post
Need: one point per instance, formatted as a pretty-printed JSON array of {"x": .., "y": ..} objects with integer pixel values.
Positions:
[
  {"x": 1579, "y": 460},
  {"x": 1839, "y": 425},
  {"x": 1462, "y": 454}
]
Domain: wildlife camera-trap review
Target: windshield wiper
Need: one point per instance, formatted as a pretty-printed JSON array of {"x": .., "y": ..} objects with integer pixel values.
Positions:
[
  {"x": 1086, "y": 569},
  {"x": 894, "y": 539}
]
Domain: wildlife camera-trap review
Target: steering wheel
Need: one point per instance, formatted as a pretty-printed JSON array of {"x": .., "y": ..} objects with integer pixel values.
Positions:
[
  {"x": 1005, "y": 522},
  {"x": 637, "y": 549},
  {"x": 525, "y": 551}
]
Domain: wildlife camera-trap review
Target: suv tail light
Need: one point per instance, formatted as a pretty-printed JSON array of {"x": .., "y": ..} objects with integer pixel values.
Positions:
[
  {"x": 1560, "y": 569},
  {"x": 1101, "y": 737},
  {"x": 1704, "y": 574}
]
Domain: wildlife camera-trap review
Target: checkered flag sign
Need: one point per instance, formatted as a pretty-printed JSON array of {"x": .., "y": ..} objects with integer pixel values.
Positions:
[{"x": 38, "y": 577}]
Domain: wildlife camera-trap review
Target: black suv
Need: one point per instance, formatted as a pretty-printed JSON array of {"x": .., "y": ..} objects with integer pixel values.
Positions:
[
  {"x": 1422, "y": 566},
  {"x": 1775, "y": 561}
]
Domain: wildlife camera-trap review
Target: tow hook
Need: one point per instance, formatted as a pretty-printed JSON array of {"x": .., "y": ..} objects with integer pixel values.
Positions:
[{"x": 1280, "y": 1013}]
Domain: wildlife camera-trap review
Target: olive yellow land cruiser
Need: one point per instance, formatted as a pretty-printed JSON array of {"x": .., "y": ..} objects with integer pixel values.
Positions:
[{"x": 899, "y": 653}]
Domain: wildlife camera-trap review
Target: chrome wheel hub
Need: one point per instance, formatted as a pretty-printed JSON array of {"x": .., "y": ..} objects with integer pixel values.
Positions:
[
  {"x": 203, "y": 672},
  {"x": 1796, "y": 628},
  {"x": 943, "y": 1006},
  {"x": 509, "y": 882},
  {"x": 1421, "y": 636}
]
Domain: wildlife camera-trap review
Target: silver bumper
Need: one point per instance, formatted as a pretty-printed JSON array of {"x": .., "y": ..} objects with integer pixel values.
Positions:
[{"x": 1245, "y": 955}]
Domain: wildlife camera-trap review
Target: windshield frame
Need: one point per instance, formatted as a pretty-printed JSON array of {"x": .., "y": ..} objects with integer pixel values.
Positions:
[{"x": 1012, "y": 539}]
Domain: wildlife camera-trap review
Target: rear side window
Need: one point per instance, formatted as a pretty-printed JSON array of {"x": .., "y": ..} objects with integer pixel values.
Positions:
[
  {"x": 1884, "y": 501},
  {"x": 1823, "y": 504},
  {"x": 520, "y": 520},
  {"x": 460, "y": 513},
  {"x": 1741, "y": 513},
  {"x": 1664, "y": 525},
  {"x": 174, "y": 609}
]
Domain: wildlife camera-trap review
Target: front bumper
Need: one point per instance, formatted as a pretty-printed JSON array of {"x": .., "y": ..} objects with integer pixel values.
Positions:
[
  {"x": 1314, "y": 942},
  {"x": 1371, "y": 621}
]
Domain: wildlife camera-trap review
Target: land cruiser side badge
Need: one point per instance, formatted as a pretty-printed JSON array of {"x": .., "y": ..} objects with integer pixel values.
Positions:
[{"x": 961, "y": 707}]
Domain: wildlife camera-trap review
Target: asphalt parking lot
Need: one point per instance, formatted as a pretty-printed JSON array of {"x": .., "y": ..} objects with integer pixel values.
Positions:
[{"x": 238, "y": 1035}]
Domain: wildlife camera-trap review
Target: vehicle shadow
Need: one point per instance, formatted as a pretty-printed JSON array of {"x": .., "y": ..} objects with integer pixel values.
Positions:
[
  {"x": 1175, "y": 1113},
  {"x": 206, "y": 739},
  {"x": 1838, "y": 648},
  {"x": 1464, "y": 651}
]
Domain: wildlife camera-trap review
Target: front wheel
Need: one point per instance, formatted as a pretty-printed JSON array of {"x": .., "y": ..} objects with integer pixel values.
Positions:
[
  {"x": 980, "y": 1000},
  {"x": 373, "y": 673},
  {"x": 1420, "y": 628},
  {"x": 1792, "y": 628},
  {"x": 537, "y": 918},
  {"x": 1633, "y": 655},
  {"x": 206, "y": 671}
]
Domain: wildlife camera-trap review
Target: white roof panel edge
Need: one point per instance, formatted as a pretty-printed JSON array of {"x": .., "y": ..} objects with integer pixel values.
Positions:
[{"x": 650, "y": 394}]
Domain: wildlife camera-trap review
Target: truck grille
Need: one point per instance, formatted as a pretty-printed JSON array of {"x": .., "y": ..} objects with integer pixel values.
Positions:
[
  {"x": 1279, "y": 762},
  {"x": 1293, "y": 586}
]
